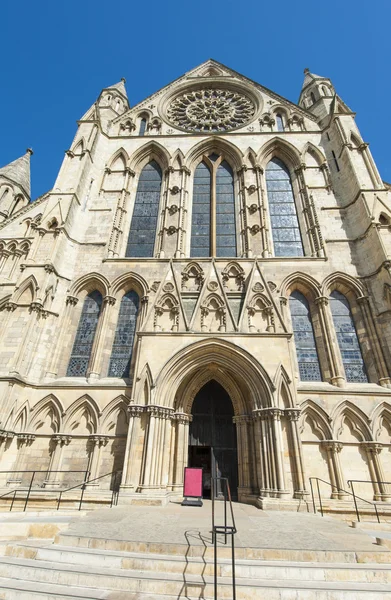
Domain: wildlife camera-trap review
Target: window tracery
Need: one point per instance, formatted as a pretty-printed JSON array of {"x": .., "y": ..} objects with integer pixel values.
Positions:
[
  {"x": 121, "y": 354},
  {"x": 347, "y": 338},
  {"x": 283, "y": 215},
  {"x": 142, "y": 232},
  {"x": 213, "y": 230},
  {"x": 303, "y": 333},
  {"x": 82, "y": 346}
]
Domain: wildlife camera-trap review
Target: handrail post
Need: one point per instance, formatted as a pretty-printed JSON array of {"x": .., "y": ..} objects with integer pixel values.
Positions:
[
  {"x": 83, "y": 487},
  {"x": 13, "y": 500},
  {"x": 355, "y": 502},
  {"x": 320, "y": 499},
  {"x": 59, "y": 500},
  {"x": 312, "y": 495},
  {"x": 233, "y": 565},
  {"x": 225, "y": 511},
  {"x": 28, "y": 493},
  {"x": 377, "y": 514},
  {"x": 215, "y": 564},
  {"x": 213, "y": 509}
]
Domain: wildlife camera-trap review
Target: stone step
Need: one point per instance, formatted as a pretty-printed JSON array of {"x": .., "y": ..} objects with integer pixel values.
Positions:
[
  {"x": 183, "y": 585},
  {"x": 380, "y": 555},
  {"x": 245, "y": 568}
]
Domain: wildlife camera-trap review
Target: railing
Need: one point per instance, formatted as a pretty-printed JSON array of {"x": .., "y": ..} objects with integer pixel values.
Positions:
[
  {"x": 225, "y": 530},
  {"x": 82, "y": 486},
  {"x": 338, "y": 490},
  {"x": 352, "y": 481},
  {"x": 30, "y": 485}
]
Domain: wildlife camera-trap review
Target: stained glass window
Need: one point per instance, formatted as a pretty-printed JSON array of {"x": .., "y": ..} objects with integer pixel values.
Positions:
[
  {"x": 121, "y": 353},
  {"x": 347, "y": 338},
  {"x": 81, "y": 351},
  {"x": 283, "y": 216},
  {"x": 200, "y": 220},
  {"x": 307, "y": 356},
  {"x": 225, "y": 211},
  {"x": 143, "y": 124},
  {"x": 142, "y": 233},
  {"x": 280, "y": 123}
]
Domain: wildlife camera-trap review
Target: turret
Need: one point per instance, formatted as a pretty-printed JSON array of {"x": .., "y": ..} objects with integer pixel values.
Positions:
[
  {"x": 317, "y": 94},
  {"x": 15, "y": 185}
]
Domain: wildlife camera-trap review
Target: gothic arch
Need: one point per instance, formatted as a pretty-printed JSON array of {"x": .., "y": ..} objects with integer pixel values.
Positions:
[
  {"x": 83, "y": 406},
  {"x": 227, "y": 358},
  {"x": 283, "y": 389},
  {"x": 229, "y": 152},
  {"x": 28, "y": 285},
  {"x": 187, "y": 393},
  {"x": 304, "y": 283},
  {"x": 178, "y": 159},
  {"x": 129, "y": 281},
  {"x": 319, "y": 419},
  {"x": 43, "y": 408},
  {"x": 120, "y": 154},
  {"x": 315, "y": 152},
  {"x": 150, "y": 151},
  {"x": 114, "y": 407},
  {"x": 21, "y": 418},
  {"x": 346, "y": 284},
  {"x": 381, "y": 412},
  {"x": 89, "y": 283},
  {"x": 79, "y": 147},
  {"x": 281, "y": 149},
  {"x": 357, "y": 418},
  {"x": 251, "y": 157},
  {"x": 144, "y": 387}
]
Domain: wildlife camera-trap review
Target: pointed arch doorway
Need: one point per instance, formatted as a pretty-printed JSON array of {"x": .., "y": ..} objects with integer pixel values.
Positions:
[{"x": 212, "y": 437}]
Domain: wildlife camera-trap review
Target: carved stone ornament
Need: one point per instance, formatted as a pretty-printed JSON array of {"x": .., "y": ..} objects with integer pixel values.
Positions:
[
  {"x": 212, "y": 286},
  {"x": 258, "y": 287},
  {"x": 168, "y": 287},
  {"x": 211, "y": 110}
]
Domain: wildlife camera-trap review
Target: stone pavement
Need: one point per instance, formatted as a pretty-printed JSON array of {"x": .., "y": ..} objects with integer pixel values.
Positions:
[{"x": 174, "y": 524}]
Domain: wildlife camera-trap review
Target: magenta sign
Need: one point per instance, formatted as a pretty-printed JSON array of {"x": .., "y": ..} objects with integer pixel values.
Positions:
[{"x": 192, "y": 486}]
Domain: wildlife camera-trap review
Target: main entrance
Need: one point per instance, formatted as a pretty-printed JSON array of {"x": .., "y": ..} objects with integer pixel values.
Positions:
[{"x": 212, "y": 437}]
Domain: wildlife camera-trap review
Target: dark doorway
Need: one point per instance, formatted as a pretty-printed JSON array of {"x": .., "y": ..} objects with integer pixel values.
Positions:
[{"x": 212, "y": 437}]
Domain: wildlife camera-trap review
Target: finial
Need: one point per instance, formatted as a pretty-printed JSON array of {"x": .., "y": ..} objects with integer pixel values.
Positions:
[
  {"x": 29, "y": 151},
  {"x": 123, "y": 79},
  {"x": 306, "y": 70}
]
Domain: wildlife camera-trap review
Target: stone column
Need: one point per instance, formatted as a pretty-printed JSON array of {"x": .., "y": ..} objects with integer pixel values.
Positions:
[
  {"x": 296, "y": 452},
  {"x": 333, "y": 449},
  {"x": 58, "y": 442},
  {"x": 131, "y": 471},
  {"x": 95, "y": 364},
  {"x": 71, "y": 302},
  {"x": 24, "y": 441},
  {"x": 241, "y": 423},
  {"x": 98, "y": 441},
  {"x": 181, "y": 448},
  {"x": 381, "y": 490},
  {"x": 384, "y": 378},
  {"x": 337, "y": 374},
  {"x": 271, "y": 452}
]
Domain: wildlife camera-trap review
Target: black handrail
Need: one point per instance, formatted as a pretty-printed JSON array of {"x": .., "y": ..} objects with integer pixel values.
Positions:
[
  {"x": 224, "y": 530},
  {"x": 338, "y": 489},
  {"x": 114, "y": 493},
  {"x": 47, "y": 471}
]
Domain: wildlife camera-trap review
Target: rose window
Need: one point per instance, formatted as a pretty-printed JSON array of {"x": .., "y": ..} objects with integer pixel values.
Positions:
[{"x": 211, "y": 110}]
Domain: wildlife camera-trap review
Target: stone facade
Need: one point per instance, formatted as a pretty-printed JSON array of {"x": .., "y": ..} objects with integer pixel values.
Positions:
[{"x": 216, "y": 318}]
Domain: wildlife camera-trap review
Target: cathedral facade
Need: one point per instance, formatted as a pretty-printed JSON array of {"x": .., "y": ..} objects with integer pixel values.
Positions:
[{"x": 208, "y": 284}]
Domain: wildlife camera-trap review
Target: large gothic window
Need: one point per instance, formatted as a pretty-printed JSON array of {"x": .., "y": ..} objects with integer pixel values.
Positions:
[
  {"x": 81, "y": 351},
  {"x": 142, "y": 232},
  {"x": 121, "y": 353},
  {"x": 283, "y": 216},
  {"x": 307, "y": 356},
  {"x": 213, "y": 226},
  {"x": 347, "y": 338}
]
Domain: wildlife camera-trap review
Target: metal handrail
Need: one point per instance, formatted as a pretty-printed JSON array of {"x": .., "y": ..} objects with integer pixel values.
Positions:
[
  {"x": 338, "y": 489},
  {"x": 47, "y": 471},
  {"x": 114, "y": 494},
  {"x": 224, "y": 530}
]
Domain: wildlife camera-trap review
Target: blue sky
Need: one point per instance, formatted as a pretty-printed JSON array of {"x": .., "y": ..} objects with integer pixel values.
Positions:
[{"x": 57, "y": 56}]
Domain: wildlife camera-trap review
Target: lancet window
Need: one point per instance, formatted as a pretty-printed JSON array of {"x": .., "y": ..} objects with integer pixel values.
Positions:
[
  {"x": 143, "y": 124},
  {"x": 82, "y": 347},
  {"x": 280, "y": 122},
  {"x": 142, "y": 232},
  {"x": 347, "y": 338},
  {"x": 213, "y": 227},
  {"x": 303, "y": 333},
  {"x": 283, "y": 215},
  {"x": 121, "y": 354}
]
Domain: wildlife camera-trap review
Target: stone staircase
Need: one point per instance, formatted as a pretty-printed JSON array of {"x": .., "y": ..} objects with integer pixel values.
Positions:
[{"x": 74, "y": 567}]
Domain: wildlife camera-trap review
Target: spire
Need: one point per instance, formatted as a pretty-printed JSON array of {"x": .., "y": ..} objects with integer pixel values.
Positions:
[
  {"x": 120, "y": 87},
  {"x": 310, "y": 77},
  {"x": 18, "y": 171}
]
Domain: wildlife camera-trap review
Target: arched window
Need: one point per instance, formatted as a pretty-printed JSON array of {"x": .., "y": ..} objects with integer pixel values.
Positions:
[
  {"x": 121, "y": 354},
  {"x": 143, "y": 124},
  {"x": 283, "y": 216},
  {"x": 325, "y": 90},
  {"x": 347, "y": 339},
  {"x": 303, "y": 333},
  {"x": 280, "y": 123},
  {"x": 142, "y": 232},
  {"x": 312, "y": 97},
  {"x": 82, "y": 346},
  {"x": 213, "y": 231}
]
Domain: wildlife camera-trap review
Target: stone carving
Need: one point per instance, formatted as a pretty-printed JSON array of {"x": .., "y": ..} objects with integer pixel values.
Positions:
[
  {"x": 168, "y": 287},
  {"x": 212, "y": 286},
  {"x": 211, "y": 110}
]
